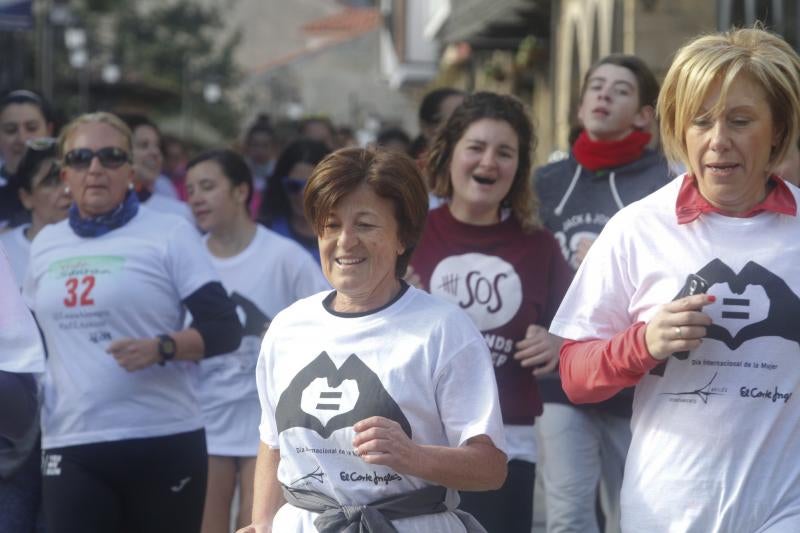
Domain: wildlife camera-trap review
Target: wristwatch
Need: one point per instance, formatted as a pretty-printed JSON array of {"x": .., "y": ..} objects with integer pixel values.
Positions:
[{"x": 166, "y": 348}]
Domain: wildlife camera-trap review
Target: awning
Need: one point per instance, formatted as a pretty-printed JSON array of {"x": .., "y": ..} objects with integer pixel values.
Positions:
[{"x": 496, "y": 23}]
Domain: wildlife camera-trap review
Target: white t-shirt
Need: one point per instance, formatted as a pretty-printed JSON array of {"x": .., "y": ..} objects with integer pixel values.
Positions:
[
  {"x": 164, "y": 204},
  {"x": 20, "y": 344},
  {"x": 270, "y": 274},
  {"x": 164, "y": 187},
  {"x": 18, "y": 248},
  {"x": 418, "y": 361},
  {"x": 88, "y": 292},
  {"x": 715, "y": 438}
]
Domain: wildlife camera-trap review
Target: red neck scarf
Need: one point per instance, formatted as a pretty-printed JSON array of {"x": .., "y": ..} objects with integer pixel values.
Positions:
[
  {"x": 596, "y": 155},
  {"x": 691, "y": 204}
]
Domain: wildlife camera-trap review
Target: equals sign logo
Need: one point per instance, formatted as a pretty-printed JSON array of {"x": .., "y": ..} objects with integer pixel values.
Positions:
[
  {"x": 329, "y": 396},
  {"x": 736, "y": 302}
]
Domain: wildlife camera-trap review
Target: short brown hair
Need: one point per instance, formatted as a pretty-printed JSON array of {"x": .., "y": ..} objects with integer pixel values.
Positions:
[
  {"x": 389, "y": 174},
  {"x": 521, "y": 197},
  {"x": 765, "y": 58}
]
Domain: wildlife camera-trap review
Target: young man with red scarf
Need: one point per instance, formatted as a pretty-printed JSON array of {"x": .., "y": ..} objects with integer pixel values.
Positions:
[{"x": 609, "y": 167}]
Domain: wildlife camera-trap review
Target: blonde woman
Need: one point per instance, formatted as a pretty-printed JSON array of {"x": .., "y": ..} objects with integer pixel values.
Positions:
[
  {"x": 714, "y": 438},
  {"x": 122, "y": 432}
]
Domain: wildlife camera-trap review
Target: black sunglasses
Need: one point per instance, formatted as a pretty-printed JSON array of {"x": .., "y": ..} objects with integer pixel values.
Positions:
[{"x": 110, "y": 157}]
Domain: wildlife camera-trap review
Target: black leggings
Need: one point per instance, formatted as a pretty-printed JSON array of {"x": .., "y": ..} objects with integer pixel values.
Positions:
[
  {"x": 147, "y": 485},
  {"x": 508, "y": 509}
]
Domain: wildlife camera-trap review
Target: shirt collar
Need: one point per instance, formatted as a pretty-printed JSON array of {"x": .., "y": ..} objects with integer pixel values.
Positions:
[{"x": 691, "y": 204}]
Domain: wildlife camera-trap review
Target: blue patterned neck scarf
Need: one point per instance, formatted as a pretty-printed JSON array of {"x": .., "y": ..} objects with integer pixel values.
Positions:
[{"x": 100, "y": 225}]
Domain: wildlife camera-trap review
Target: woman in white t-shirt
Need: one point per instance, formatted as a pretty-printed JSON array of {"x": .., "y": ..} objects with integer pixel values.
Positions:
[
  {"x": 42, "y": 194},
  {"x": 122, "y": 432},
  {"x": 715, "y": 363},
  {"x": 263, "y": 273},
  {"x": 378, "y": 400}
]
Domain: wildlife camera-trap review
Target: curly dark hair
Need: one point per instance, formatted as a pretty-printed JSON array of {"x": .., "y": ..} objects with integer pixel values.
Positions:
[{"x": 521, "y": 198}]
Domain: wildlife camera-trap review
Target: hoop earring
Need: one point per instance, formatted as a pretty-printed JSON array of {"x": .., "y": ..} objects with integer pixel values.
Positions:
[{"x": 66, "y": 189}]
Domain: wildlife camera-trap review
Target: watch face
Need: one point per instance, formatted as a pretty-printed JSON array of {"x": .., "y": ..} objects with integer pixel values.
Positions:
[{"x": 166, "y": 346}]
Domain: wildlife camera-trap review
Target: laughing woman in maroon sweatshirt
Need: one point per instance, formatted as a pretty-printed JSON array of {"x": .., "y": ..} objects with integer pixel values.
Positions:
[{"x": 485, "y": 251}]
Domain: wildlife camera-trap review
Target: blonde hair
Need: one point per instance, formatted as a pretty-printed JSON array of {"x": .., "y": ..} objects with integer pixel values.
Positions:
[
  {"x": 100, "y": 117},
  {"x": 763, "y": 57}
]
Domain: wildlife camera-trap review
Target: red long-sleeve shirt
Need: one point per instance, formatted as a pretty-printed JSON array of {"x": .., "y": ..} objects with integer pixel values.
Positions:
[{"x": 595, "y": 370}]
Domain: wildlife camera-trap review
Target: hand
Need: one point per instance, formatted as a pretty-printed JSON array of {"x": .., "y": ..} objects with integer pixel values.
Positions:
[
  {"x": 679, "y": 326},
  {"x": 539, "y": 349},
  {"x": 582, "y": 249},
  {"x": 413, "y": 279},
  {"x": 135, "y": 354},
  {"x": 380, "y": 441}
]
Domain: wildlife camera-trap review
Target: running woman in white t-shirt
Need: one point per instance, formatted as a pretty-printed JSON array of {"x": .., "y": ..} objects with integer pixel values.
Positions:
[
  {"x": 714, "y": 429},
  {"x": 378, "y": 400},
  {"x": 122, "y": 432},
  {"x": 263, "y": 273}
]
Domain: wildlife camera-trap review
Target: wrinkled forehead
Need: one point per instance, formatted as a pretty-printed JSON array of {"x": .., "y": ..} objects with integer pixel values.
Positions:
[{"x": 95, "y": 135}]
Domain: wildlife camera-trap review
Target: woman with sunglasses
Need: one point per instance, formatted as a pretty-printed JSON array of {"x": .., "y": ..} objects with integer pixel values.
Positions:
[
  {"x": 122, "y": 431},
  {"x": 264, "y": 273},
  {"x": 282, "y": 209},
  {"x": 24, "y": 115},
  {"x": 43, "y": 196}
]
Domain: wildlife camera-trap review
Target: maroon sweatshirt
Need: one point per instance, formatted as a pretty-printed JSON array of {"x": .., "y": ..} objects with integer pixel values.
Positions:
[{"x": 505, "y": 280}]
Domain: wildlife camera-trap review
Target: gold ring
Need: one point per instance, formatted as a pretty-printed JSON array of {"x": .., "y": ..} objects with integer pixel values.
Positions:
[{"x": 678, "y": 332}]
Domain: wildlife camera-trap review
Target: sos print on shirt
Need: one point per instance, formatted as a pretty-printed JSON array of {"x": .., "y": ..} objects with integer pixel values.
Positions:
[
  {"x": 485, "y": 286},
  {"x": 324, "y": 399},
  {"x": 757, "y": 303}
]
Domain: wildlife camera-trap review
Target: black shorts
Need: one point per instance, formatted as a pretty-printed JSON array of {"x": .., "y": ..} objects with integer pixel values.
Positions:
[
  {"x": 146, "y": 485},
  {"x": 508, "y": 509}
]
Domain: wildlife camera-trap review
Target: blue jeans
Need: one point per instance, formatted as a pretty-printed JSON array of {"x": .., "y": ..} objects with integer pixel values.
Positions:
[{"x": 579, "y": 451}]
